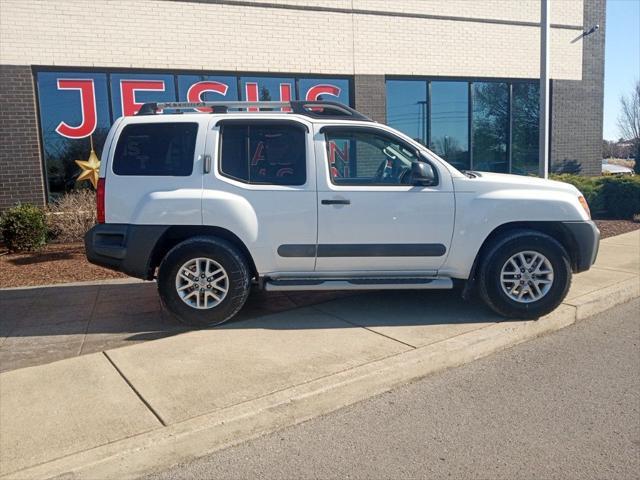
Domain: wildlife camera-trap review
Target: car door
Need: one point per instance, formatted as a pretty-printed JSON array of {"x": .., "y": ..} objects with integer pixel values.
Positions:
[
  {"x": 262, "y": 187},
  {"x": 370, "y": 217}
]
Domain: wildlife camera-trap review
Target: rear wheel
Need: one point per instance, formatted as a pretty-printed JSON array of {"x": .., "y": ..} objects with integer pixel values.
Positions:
[
  {"x": 525, "y": 274},
  {"x": 204, "y": 281}
]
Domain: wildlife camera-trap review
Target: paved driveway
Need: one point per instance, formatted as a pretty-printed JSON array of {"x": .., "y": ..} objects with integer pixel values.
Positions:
[{"x": 42, "y": 325}]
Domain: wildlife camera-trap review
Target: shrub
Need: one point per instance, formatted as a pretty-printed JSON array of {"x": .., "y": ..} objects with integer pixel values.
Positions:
[
  {"x": 589, "y": 187},
  {"x": 23, "y": 228},
  {"x": 72, "y": 215},
  {"x": 621, "y": 195},
  {"x": 608, "y": 196}
]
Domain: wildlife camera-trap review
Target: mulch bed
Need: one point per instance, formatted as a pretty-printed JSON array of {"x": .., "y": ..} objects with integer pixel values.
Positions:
[
  {"x": 611, "y": 228},
  {"x": 61, "y": 263},
  {"x": 55, "y": 263}
]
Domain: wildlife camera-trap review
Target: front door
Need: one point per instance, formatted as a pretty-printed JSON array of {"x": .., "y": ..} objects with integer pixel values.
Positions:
[{"x": 370, "y": 217}]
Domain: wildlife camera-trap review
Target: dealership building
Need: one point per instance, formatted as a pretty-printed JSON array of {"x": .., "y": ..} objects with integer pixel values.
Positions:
[{"x": 461, "y": 76}]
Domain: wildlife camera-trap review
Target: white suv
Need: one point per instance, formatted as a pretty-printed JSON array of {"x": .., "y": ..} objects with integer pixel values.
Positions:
[{"x": 316, "y": 196}]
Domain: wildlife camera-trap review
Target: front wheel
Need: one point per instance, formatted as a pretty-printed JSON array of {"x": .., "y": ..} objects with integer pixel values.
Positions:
[
  {"x": 525, "y": 274},
  {"x": 204, "y": 281}
]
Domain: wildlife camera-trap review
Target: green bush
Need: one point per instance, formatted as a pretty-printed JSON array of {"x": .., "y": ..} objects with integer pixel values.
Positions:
[
  {"x": 23, "y": 228},
  {"x": 608, "y": 196},
  {"x": 621, "y": 196},
  {"x": 589, "y": 187}
]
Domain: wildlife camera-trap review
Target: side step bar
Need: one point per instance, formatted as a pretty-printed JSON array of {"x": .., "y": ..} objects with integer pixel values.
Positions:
[{"x": 294, "y": 284}]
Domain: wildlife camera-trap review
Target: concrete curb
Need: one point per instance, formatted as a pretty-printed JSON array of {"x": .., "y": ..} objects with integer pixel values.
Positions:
[
  {"x": 160, "y": 448},
  {"x": 109, "y": 281},
  {"x": 606, "y": 298}
]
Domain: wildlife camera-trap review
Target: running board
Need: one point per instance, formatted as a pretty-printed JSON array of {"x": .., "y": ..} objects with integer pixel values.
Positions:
[{"x": 293, "y": 284}]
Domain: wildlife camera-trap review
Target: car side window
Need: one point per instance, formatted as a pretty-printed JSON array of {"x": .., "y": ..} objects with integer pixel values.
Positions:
[
  {"x": 163, "y": 149},
  {"x": 364, "y": 157},
  {"x": 264, "y": 154}
]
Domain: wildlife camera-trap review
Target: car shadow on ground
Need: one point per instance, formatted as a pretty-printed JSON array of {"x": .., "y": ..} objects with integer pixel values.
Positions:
[{"x": 39, "y": 325}]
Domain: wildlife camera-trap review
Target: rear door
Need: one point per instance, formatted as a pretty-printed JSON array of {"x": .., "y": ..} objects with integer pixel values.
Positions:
[
  {"x": 154, "y": 172},
  {"x": 262, "y": 187}
]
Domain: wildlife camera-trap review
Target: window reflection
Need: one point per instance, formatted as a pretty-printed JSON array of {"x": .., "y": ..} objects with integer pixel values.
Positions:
[
  {"x": 407, "y": 107},
  {"x": 446, "y": 125},
  {"x": 490, "y": 126},
  {"x": 526, "y": 128},
  {"x": 450, "y": 122}
]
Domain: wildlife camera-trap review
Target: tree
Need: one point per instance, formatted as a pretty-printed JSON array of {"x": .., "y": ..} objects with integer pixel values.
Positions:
[{"x": 629, "y": 121}]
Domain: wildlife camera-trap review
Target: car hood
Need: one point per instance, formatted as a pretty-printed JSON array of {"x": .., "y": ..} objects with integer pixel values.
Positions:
[{"x": 486, "y": 180}]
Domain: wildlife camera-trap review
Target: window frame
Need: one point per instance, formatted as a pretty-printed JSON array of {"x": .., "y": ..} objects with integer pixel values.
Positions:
[
  {"x": 121, "y": 132},
  {"x": 377, "y": 131},
  {"x": 220, "y": 124},
  {"x": 511, "y": 82}
]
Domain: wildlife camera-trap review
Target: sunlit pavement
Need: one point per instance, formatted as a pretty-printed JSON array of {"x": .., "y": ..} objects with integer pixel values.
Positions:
[{"x": 210, "y": 387}]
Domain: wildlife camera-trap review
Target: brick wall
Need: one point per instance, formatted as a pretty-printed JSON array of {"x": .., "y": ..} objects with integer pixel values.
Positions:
[
  {"x": 576, "y": 106},
  {"x": 371, "y": 96},
  {"x": 21, "y": 178}
]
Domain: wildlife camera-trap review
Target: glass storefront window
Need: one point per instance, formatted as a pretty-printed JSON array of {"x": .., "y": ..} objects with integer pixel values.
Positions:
[
  {"x": 441, "y": 112},
  {"x": 207, "y": 88},
  {"x": 525, "y": 132},
  {"x": 267, "y": 89},
  {"x": 450, "y": 122},
  {"x": 129, "y": 91},
  {"x": 75, "y": 111},
  {"x": 407, "y": 107},
  {"x": 490, "y": 124},
  {"x": 329, "y": 90}
]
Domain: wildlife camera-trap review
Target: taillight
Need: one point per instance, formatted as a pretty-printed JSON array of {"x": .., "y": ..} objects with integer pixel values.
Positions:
[{"x": 100, "y": 201}]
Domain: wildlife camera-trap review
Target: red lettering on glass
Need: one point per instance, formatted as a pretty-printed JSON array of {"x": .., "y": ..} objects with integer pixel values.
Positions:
[
  {"x": 285, "y": 95},
  {"x": 315, "y": 92},
  {"x": 251, "y": 93},
  {"x": 337, "y": 155},
  {"x": 194, "y": 94},
  {"x": 87, "y": 106},
  {"x": 128, "y": 89}
]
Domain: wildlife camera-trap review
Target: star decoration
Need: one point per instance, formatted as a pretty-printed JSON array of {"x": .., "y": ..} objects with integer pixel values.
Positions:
[{"x": 90, "y": 168}]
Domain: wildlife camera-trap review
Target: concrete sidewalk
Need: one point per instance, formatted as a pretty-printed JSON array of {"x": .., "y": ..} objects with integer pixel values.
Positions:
[
  {"x": 43, "y": 324},
  {"x": 126, "y": 411}
]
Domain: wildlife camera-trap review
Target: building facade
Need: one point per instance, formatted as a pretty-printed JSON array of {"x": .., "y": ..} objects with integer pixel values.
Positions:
[{"x": 461, "y": 76}]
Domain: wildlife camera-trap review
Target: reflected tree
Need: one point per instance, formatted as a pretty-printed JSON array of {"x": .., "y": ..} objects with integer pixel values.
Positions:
[
  {"x": 490, "y": 126},
  {"x": 60, "y": 156}
]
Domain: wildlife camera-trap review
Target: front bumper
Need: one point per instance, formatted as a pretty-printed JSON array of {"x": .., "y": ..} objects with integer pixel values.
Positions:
[
  {"x": 123, "y": 247},
  {"x": 586, "y": 238}
]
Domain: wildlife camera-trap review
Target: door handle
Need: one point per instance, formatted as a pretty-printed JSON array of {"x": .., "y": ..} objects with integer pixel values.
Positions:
[
  {"x": 336, "y": 202},
  {"x": 207, "y": 163}
]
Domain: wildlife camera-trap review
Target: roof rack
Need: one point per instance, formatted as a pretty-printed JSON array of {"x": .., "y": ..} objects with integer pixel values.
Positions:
[{"x": 313, "y": 109}]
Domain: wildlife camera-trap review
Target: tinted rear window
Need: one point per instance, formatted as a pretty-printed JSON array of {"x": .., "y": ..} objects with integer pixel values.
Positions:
[
  {"x": 269, "y": 154},
  {"x": 156, "y": 149}
]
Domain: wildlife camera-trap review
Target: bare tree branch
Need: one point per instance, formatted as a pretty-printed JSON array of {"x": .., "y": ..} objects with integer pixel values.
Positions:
[{"x": 629, "y": 118}]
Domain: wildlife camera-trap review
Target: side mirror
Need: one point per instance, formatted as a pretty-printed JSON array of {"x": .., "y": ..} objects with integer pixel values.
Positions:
[{"x": 422, "y": 174}]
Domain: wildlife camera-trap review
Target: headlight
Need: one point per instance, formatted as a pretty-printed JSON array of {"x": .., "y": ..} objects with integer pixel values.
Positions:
[{"x": 585, "y": 205}]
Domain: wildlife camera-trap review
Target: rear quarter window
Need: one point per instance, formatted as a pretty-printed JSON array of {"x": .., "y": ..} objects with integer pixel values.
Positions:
[{"x": 163, "y": 149}]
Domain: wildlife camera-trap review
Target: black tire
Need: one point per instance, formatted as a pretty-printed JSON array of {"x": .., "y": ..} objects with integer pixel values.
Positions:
[
  {"x": 228, "y": 257},
  {"x": 500, "y": 251}
]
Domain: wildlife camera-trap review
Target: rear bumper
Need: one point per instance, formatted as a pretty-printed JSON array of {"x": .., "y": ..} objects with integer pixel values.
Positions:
[
  {"x": 586, "y": 238},
  {"x": 122, "y": 247}
]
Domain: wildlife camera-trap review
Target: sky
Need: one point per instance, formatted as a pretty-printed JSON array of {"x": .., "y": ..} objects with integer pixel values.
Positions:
[{"x": 622, "y": 59}]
